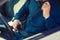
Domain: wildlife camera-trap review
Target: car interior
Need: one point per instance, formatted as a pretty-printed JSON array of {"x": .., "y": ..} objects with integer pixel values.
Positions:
[{"x": 6, "y": 29}]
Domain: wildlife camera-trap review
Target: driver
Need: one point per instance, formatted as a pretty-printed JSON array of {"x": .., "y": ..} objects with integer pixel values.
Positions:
[{"x": 36, "y": 23}]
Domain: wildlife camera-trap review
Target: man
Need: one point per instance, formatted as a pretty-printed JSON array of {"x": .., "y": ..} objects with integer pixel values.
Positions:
[{"x": 36, "y": 23}]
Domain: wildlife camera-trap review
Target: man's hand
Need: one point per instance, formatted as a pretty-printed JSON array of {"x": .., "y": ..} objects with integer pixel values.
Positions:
[
  {"x": 46, "y": 9},
  {"x": 15, "y": 24}
]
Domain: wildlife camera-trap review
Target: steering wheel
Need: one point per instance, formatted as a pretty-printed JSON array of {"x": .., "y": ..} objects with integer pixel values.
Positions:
[{"x": 6, "y": 31}]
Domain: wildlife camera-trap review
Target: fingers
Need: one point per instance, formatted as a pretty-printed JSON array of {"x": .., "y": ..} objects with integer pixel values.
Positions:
[
  {"x": 15, "y": 25},
  {"x": 46, "y": 6}
]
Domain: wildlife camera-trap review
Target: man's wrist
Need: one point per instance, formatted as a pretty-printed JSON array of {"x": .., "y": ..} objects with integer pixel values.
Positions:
[{"x": 46, "y": 15}]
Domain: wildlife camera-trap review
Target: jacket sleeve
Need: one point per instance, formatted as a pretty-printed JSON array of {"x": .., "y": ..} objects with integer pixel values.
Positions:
[
  {"x": 23, "y": 12},
  {"x": 50, "y": 23}
]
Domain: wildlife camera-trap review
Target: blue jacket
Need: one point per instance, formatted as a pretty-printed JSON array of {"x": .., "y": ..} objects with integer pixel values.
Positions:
[
  {"x": 36, "y": 23},
  {"x": 55, "y": 11}
]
